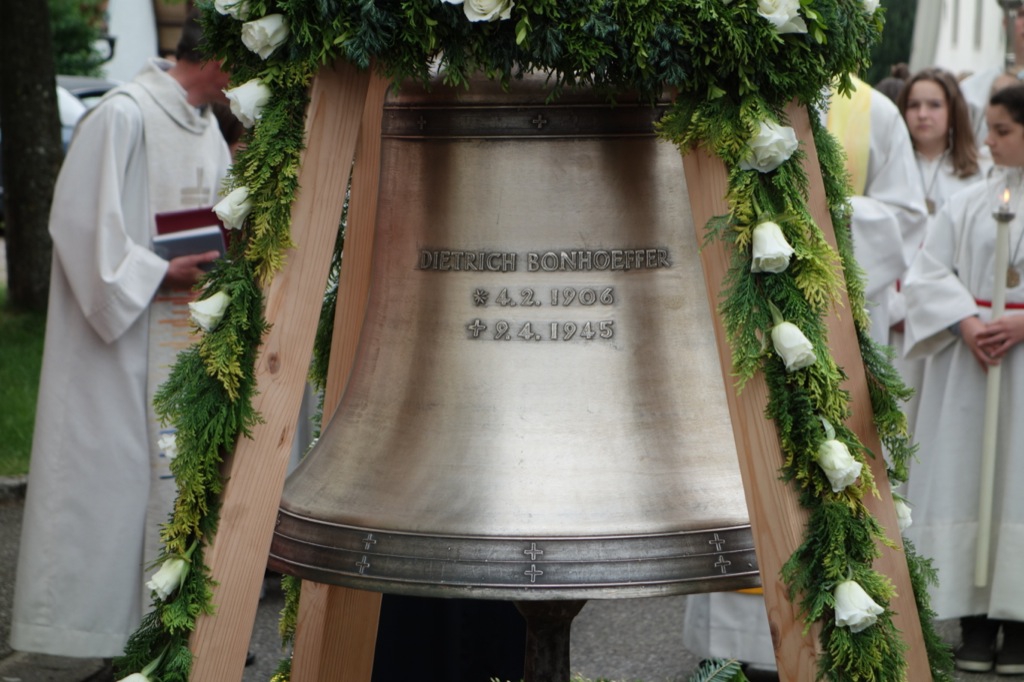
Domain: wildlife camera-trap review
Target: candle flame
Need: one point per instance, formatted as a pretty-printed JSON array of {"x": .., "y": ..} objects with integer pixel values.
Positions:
[{"x": 1006, "y": 196}]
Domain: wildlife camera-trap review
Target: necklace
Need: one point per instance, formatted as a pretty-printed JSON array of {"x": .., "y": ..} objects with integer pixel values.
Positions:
[{"x": 930, "y": 185}]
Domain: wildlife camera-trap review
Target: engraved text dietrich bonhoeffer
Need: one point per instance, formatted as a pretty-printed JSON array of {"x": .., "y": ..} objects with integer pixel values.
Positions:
[{"x": 574, "y": 260}]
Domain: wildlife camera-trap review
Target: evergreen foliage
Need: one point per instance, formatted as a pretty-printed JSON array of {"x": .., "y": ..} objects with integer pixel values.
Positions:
[
  {"x": 719, "y": 671},
  {"x": 75, "y": 30},
  {"x": 731, "y": 71},
  {"x": 896, "y": 42}
]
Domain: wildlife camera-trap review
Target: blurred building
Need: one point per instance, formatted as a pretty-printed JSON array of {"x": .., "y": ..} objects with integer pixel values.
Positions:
[{"x": 962, "y": 36}]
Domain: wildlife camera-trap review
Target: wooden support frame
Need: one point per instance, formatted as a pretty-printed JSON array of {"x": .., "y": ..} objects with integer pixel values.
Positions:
[
  {"x": 328, "y": 613},
  {"x": 778, "y": 521},
  {"x": 344, "y": 107},
  {"x": 255, "y": 472}
]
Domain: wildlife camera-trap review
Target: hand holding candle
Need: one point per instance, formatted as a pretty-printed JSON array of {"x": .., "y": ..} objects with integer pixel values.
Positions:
[{"x": 1003, "y": 216}]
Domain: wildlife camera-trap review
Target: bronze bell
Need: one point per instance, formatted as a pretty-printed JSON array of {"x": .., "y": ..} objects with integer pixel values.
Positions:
[{"x": 536, "y": 410}]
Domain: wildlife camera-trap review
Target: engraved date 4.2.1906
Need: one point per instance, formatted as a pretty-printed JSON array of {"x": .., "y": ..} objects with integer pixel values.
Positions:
[{"x": 527, "y": 297}]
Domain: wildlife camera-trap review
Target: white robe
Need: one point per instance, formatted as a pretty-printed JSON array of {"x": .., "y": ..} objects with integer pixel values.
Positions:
[
  {"x": 955, "y": 268},
  {"x": 977, "y": 89},
  {"x": 888, "y": 226},
  {"x": 940, "y": 181},
  {"x": 80, "y": 566},
  {"x": 890, "y": 218}
]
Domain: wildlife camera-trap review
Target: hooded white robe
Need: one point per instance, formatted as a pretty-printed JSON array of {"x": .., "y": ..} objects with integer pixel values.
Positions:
[
  {"x": 955, "y": 268},
  {"x": 80, "y": 567}
]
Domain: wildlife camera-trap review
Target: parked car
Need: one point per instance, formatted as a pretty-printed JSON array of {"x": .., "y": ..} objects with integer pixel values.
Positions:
[
  {"x": 75, "y": 95},
  {"x": 87, "y": 89}
]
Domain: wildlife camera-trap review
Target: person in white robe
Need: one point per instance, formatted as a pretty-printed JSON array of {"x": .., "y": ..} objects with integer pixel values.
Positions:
[
  {"x": 888, "y": 225},
  {"x": 890, "y": 216},
  {"x": 978, "y": 87},
  {"x": 150, "y": 146},
  {"x": 949, "y": 291},
  {"x": 948, "y": 161}
]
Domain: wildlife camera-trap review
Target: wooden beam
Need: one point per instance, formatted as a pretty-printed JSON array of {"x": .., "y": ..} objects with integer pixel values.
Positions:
[
  {"x": 256, "y": 470},
  {"x": 846, "y": 351},
  {"x": 776, "y": 517},
  {"x": 336, "y": 633}
]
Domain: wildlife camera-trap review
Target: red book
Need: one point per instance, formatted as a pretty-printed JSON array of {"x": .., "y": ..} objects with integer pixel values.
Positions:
[
  {"x": 195, "y": 230},
  {"x": 189, "y": 219}
]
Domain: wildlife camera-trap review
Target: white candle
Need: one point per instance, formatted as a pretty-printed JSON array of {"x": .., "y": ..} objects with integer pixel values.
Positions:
[{"x": 1003, "y": 217}]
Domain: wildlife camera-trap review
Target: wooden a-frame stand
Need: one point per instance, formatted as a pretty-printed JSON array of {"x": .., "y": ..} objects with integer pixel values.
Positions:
[{"x": 337, "y": 626}]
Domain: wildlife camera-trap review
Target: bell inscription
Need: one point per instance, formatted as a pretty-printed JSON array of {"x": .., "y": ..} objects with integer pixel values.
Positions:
[
  {"x": 529, "y": 297},
  {"x": 580, "y": 260}
]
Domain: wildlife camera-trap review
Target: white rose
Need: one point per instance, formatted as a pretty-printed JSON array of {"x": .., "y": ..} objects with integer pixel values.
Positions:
[
  {"x": 870, "y": 6},
  {"x": 903, "y": 519},
  {"x": 854, "y": 608},
  {"x": 792, "y": 346},
  {"x": 135, "y": 677},
  {"x": 265, "y": 35},
  {"x": 771, "y": 251},
  {"x": 485, "y": 10},
  {"x": 234, "y": 208},
  {"x": 207, "y": 313},
  {"x": 835, "y": 460},
  {"x": 783, "y": 14},
  {"x": 237, "y": 9},
  {"x": 247, "y": 101},
  {"x": 772, "y": 145},
  {"x": 169, "y": 578},
  {"x": 168, "y": 444}
]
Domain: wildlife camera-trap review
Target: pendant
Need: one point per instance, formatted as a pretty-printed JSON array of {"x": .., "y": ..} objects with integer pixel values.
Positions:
[
  {"x": 931, "y": 206},
  {"x": 1012, "y": 278}
]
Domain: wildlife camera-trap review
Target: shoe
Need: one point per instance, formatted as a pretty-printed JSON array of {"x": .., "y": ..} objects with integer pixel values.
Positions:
[
  {"x": 977, "y": 651},
  {"x": 250, "y": 658},
  {"x": 1010, "y": 660}
]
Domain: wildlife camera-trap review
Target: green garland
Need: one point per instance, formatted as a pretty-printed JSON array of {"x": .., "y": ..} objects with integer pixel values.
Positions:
[{"x": 714, "y": 54}]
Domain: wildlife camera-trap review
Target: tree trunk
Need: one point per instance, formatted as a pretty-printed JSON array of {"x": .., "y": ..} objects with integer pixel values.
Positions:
[{"x": 31, "y": 147}]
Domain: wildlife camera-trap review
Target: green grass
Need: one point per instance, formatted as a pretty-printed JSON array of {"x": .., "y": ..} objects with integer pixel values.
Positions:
[{"x": 21, "y": 354}]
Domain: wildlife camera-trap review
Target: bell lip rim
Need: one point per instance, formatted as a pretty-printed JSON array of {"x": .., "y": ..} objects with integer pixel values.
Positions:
[
  {"x": 607, "y": 590},
  {"x": 498, "y": 567}
]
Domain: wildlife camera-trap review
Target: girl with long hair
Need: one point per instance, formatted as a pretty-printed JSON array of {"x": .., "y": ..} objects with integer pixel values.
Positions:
[
  {"x": 947, "y": 159},
  {"x": 940, "y": 127}
]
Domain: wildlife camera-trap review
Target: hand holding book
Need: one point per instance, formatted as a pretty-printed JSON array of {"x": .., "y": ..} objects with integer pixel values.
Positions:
[
  {"x": 191, "y": 240},
  {"x": 184, "y": 271}
]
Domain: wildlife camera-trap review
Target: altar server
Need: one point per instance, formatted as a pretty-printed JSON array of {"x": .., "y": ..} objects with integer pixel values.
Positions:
[
  {"x": 947, "y": 161},
  {"x": 949, "y": 289},
  {"x": 978, "y": 87}
]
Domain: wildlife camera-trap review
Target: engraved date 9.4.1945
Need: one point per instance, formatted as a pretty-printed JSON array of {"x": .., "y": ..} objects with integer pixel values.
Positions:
[{"x": 503, "y": 330}]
